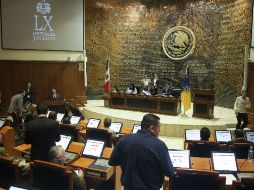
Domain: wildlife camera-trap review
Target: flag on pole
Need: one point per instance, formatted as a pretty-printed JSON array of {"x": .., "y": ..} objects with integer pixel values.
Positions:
[
  {"x": 107, "y": 85},
  {"x": 186, "y": 94}
]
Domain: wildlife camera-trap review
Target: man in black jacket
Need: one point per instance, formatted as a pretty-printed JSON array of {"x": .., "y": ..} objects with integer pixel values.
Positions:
[{"x": 41, "y": 133}]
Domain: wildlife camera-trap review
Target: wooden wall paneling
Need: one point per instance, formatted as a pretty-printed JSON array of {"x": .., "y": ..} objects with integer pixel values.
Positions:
[{"x": 44, "y": 75}]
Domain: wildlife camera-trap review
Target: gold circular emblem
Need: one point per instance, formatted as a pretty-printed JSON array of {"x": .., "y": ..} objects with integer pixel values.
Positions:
[{"x": 179, "y": 43}]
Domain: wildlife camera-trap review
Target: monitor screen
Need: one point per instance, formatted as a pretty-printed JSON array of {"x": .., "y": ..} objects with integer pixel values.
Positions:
[
  {"x": 116, "y": 127},
  {"x": 223, "y": 136},
  {"x": 64, "y": 141},
  {"x": 192, "y": 134},
  {"x": 93, "y": 148},
  {"x": 75, "y": 120},
  {"x": 136, "y": 128},
  {"x": 59, "y": 116},
  {"x": 249, "y": 136},
  {"x": 224, "y": 162},
  {"x": 180, "y": 158},
  {"x": 1, "y": 123},
  {"x": 93, "y": 123}
]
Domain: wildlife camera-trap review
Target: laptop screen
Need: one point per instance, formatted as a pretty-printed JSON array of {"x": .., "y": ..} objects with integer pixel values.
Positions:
[
  {"x": 1, "y": 123},
  {"x": 224, "y": 162},
  {"x": 75, "y": 120},
  {"x": 180, "y": 158},
  {"x": 135, "y": 128},
  {"x": 93, "y": 123},
  {"x": 64, "y": 141},
  {"x": 59, "y": 116},
  {"x": 93, "y": 148},
  {"x": 249, "y": 136},
  {"x": 192, "y": 134},
  {"x": 223, "y": 136},
  {"x": 116, "y": 127}
]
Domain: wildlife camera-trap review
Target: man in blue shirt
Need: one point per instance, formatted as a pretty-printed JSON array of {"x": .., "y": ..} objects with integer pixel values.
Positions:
[{"x": 143, "y": 158}]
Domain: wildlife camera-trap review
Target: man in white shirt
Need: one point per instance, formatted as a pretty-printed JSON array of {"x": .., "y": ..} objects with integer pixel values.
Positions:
[{"x": 241, "y": 104}]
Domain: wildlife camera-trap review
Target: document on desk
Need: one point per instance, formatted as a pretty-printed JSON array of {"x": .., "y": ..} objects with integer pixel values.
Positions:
[{"x": 229, "y": 178}]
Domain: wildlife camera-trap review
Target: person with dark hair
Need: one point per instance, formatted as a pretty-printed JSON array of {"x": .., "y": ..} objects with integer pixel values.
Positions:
[
  {"x": 132, "y": 89},
  {"x": 143, "y": 158},
  {"x": 52, "y": 115},
  {"x": 242, "y": 103},
  {"x": 41, "y": 133},
  {"x": 31, "y": 113},
  {"x": 16, "y": 109},
  {"x": 71, "y": 110},
  {"x": 29, "y": 95},
  {"x": 57, "y": 155},
  {"x": 66, "y": 120},
  {"x": 239, "y": 136},
  {"x": 205, "y": 134}
]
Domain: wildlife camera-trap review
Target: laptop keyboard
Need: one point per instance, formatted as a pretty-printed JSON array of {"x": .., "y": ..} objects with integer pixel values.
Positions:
[{"x": 100, "y": 164}]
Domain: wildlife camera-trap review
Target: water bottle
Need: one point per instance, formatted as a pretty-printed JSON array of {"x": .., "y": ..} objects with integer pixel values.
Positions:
[{"x": 250, "y": 153}]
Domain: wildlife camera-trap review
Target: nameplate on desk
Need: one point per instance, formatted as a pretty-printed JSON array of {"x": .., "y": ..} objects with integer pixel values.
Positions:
[{"x": 92, "y": 173}]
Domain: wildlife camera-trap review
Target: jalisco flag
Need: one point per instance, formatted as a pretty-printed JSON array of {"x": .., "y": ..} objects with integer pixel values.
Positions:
[
  {"x": 186, "y": 94},
  {"x": 107, "y": 85}
]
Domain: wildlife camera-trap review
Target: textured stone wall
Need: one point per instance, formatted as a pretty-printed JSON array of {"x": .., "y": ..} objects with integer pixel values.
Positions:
[{"x": 131, "y": 34}]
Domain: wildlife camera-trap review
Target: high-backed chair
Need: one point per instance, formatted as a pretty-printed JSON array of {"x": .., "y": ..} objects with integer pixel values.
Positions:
[
  {"x": 100, "y": 134},
  {"x": 9, "y": 172},
  {"x": 197, "y": 180},
  {"x": 240, "y": 149},
  {"x": 70, "y": 130},
  {"x": 202, "y": 148},
  {"x": 245, "y": 184},
  {"x": 50, "y": 176}
]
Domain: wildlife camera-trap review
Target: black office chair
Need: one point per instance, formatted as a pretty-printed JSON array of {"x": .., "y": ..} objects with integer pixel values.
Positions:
[
  {"x": 9, "y": 172},
  {"x": 245, "y": 184},
  {"x": 100, "y": 134},
  {"x": 202, "y": 148},
  {"x": 240, "y": 149},
  {"x": 197, "y": 180},
  {"x": 70, "y": 130},
  {"x": 49, "y": 176}
]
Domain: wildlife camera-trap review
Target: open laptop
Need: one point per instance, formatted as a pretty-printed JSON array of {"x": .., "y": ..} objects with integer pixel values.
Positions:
[
  {"x": 116, "y": 126},
  {"x": 135, "y": 128},
  {"x": 65, "y": 141},
  {"x": 249, "y": 135},
  {"x": 75, "y": 120},
  {"x": 1, "y": 123},
  {"x": 192, "y": 134},
  {"x": 223, "y": 136},
  {"x": 93, "y": 123},
  {"x": 226, "y": 165},
  {"x": 93, "y": 148},
  {"x": 21, "y": 187},
  {"x": 59, "y": 117},
  {"x": 180, "y": 158}
]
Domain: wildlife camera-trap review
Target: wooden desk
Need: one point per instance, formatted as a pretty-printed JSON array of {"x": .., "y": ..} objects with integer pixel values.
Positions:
[
  {"x": 126, "y": 130},
  {"x": 84, "y": 163},
  {"x": 157, "y": 104}
]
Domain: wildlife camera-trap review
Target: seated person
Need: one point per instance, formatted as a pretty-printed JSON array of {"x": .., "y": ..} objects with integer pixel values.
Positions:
[
  {"x": 239, "y": 136},
  {"x": 107, "y": 122},
  {"x": 54, "y": 95},
  {"x": 57, "y": 155},
  {"x": 149, "y": 90},
  {"x": 131, "y": 89},
  {"x": 66, "y": 120},
  {"x": 205, "y": 134},
  {"x": 31, "y": 113},
  {"x": 168, "y": 89},
  {"x": 70, "y": 110},
  {"x": 145, "y": 81},
  {"x": 52, "y": 115}
]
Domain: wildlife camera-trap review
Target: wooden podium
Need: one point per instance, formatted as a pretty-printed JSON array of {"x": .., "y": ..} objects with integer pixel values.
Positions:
[{"x": 203, "y": 103}]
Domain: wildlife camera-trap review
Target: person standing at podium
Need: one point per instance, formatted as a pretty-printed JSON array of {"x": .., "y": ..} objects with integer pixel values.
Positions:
[
  {"x": 242, "y": 103},
  {"x": 143, "y": 158}
]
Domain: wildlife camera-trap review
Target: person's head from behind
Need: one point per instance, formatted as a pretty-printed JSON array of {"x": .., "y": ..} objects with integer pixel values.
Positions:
[
  {"x": 52, "y": 115},
  {"x": 57, "y": 155},
  {"x": 205, "y": 134},
  {"x": 66, "y": 120},
  {"x": 239, "y": 133},
  {"x": 67, "y": 106},
  {"x": 42, "y": 109},
  {"x": 151, "y": 123},
  {"x": 107, "y": 122},
  {"x": 22, "y": 92}
]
